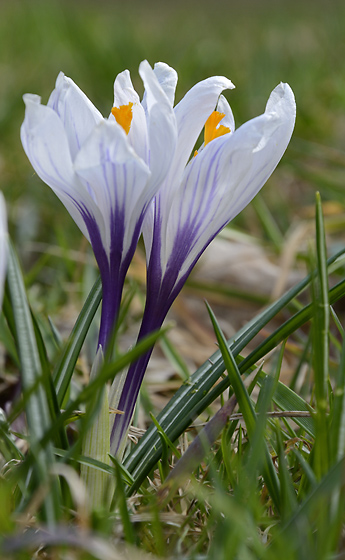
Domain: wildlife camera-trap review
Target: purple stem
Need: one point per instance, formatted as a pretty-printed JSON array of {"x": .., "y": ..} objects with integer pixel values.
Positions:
[
  {"x": 162, "y": 289},
  {"x": 160, "y": 296},
  {"x": 112, "y": 292},
  {"x": 132, "y": 383}
]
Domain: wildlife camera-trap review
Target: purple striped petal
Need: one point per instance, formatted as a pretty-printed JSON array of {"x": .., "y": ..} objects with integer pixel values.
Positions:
[
  {"x": 220, "y": 181},
  {"x": 119, "y": 180},
  {"x": 191, "y": 114}
]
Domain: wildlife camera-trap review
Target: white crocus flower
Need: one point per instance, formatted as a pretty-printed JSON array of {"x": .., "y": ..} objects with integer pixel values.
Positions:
[
  {"x": 104, "y": 170},
  {"x": 197, "y": 201},
  {"x": 201, "y": 194},
  {"x": 3, "y": 245}
]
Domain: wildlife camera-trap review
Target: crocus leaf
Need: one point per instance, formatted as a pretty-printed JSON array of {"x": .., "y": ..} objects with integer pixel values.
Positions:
[
  {"x": 65, "y": 365},
  {"x": 196, "y": 394},
  {"x": 37, "y": 407}
]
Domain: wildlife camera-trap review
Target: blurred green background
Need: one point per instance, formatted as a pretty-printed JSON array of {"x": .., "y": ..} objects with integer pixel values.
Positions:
[{"x": 256, "y": 44}]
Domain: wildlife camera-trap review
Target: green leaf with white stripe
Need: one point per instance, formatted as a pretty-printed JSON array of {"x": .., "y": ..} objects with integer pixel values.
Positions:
[{"x": 35, "y": 397}]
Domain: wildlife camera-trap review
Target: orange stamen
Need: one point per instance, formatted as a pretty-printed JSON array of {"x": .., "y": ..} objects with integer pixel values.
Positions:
[
  {"x": 211, "y": 130},
  {"x": 123, "y": 116}
]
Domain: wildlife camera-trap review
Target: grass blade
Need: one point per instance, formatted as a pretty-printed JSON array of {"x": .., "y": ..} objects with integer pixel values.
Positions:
[
  {"x": 107, "y": 373},
  {"x": 247, "y": 409},
  {"x": 317, "y": 501},
  {"x": 198, "y": 448},
  {"x": 337, "y": 424},
  {"x": 321, "y": 347},
  {"x": 120, "y": 496},
  {"x": 196, "y": 395},
  {"x": 64, "y": 368},
  {"x": 37, "y": 408}
]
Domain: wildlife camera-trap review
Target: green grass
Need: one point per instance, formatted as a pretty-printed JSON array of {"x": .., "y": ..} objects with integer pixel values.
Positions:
[{"x": 265, "y": 485}]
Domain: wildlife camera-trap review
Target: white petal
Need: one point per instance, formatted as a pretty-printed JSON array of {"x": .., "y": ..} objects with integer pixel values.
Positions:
[
  {"x": 78, "y": 115},
  {"x": 125, "y": 93},
  {"x": 3, "y": 245},
  {"x": 224, "y": 107},
  {"x": 154, "y": 92},
  {"x": 167, "y": 78},
  {"x": 45, "y": 143},
  {"x": 119, "y": 180},
  {"x": 276, "y": 125},
  {"x": 191, "y": 115},
  {"x": 162, "y": 128}
]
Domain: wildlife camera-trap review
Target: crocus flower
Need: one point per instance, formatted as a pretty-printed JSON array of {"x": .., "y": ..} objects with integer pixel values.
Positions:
[
  {"x": 105, "y": 170},
  {"x": 3, "y": 245},
  {"x": 199, "y": 197}
]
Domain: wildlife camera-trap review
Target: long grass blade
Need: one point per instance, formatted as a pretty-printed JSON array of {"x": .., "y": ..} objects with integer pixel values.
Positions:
[
  {"x": 198, "y": 448},
  {"x": 190, "y": 400},
  {"x": 320, "y": 333},
  {"x": 247, "y": 409},
  {"x": 337, "y": 424},
  {"x": 107, "y": 373},
  {"x": 65, "y": 366},
  {"x": 318, "y": 498},
  {"x": 37, "y": 407}
]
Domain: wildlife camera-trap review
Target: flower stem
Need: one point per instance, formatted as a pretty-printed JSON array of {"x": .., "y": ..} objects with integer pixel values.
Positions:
[
  {"x": 151, "y": 322},
  {"x": 112, "y": 287}
]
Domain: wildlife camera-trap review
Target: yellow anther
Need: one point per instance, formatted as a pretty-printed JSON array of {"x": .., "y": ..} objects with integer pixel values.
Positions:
[
  {"x": 211, "y": 130},
  {"x": 123, "y": 116}
]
